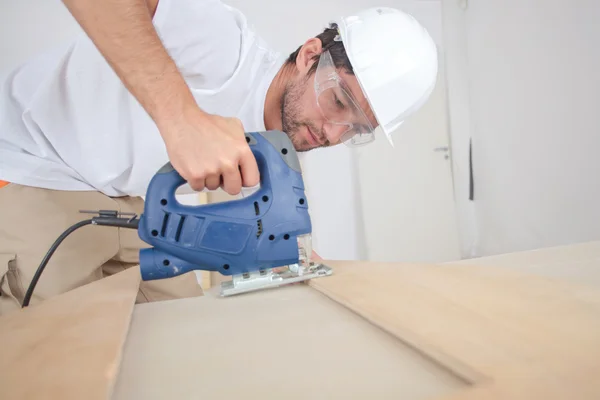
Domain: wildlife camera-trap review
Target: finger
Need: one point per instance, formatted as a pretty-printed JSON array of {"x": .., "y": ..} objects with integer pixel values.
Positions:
[
  {"x": 232, "y": 180},
  {"x": 213, "y": 181},
  {"x": 249, "y": 168},
  {"x": 198, "y": 185}
]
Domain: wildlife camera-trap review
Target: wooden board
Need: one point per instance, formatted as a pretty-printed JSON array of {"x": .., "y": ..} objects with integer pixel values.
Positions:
[
  {"x": 69, "y": 346},
  {"x": 476, "y": 332},
  {"x": 509, "y": 334},
  {"x": 372, "y": 330},
  {"x": 577, "y": 263},
  {"x": 292, "y": 343}
]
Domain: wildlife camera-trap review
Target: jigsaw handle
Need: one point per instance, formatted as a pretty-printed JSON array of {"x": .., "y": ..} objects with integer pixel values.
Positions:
[
  {"x": 230, "y": 237},
  {"x": 171, "y": 180}
]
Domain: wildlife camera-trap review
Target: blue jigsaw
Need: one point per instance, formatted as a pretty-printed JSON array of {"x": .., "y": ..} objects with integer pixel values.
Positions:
[
  {"x": 251, "y": 238},
  {"x": 248, "y": 238}
]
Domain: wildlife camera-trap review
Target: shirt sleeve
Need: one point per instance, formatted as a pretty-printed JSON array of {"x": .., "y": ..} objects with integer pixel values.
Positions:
[{"x": 204, "y": 38}]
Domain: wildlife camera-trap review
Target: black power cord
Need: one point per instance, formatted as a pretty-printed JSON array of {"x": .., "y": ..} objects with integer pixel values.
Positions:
[{"x": 104, "y": 218}]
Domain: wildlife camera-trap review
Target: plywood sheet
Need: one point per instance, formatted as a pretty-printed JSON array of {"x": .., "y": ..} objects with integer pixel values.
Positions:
[
  {"x": 69, "y": 346},
  {"x": 287, "y": 343},
  {"x": 509, "y": 334},
  {"x": 371, "y": 330},
  {"x": 577, "y": 263}
]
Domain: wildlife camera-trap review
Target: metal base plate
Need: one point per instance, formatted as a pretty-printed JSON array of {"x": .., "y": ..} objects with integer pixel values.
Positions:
[{"x": 269, "y": 278}]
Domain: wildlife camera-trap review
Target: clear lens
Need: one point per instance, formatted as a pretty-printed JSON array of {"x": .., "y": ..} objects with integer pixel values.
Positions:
[{"x": 338, "y": 105}]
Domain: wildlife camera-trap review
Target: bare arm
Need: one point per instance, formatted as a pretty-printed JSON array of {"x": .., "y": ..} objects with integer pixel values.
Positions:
[
  {"x": 207, "y": 150},
  {"x": 123, "y": 32}
]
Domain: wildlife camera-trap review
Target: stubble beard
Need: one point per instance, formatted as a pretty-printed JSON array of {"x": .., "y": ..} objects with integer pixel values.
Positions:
[{"x": 291, "y": 116}]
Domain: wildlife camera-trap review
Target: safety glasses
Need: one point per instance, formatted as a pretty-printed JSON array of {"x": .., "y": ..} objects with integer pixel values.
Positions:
[{"x": 339, "y": 107}]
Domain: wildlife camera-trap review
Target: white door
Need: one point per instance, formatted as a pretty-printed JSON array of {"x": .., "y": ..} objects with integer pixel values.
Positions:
[
  {"x": 380, "y": 203},
  {"x": 406, "y": 193}
]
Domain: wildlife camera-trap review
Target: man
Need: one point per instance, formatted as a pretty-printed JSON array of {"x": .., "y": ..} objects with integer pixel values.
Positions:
[{"x": 86, "y": 125}]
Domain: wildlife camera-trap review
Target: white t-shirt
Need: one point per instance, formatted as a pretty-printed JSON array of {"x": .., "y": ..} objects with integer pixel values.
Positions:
[{"x": 67, "y": 122}]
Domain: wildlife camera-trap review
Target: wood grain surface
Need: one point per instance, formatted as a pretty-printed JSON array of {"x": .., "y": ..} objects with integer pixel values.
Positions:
[
  {"x": 509, "y": 334},
  {"x": 68, "y": 347},
  {"x": 284, "y": 343},
  {"x": 371, "y": 330}
]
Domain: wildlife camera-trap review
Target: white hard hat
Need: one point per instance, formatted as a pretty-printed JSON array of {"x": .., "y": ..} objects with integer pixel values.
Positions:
[{"x": 394, "y": 60}]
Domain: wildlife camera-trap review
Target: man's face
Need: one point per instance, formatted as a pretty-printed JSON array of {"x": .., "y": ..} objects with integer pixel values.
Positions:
[{"x": 303, "y": 119}]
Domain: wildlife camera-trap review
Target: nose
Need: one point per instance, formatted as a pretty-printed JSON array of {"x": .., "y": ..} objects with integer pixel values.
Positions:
[{"x": 334, "y": 132}]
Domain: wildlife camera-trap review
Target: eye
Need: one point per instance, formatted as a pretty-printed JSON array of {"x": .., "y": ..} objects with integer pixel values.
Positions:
[{"x": 339, "y": 103}]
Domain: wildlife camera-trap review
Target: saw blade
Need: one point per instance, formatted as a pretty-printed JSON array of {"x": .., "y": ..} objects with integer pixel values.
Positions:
[{"x": 269, "y": 278}]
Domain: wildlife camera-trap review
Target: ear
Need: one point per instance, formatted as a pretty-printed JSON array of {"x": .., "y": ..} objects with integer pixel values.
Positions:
[{"x": 308, "y": 54}]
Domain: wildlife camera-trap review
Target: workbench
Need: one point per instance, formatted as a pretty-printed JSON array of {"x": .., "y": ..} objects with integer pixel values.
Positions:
[{"x": 515, "y": 326}]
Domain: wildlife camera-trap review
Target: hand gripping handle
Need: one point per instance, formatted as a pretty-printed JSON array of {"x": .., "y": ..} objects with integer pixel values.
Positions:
[
  {"x": 167, "y": 180},
  {"x": 178, "y": 232}
]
